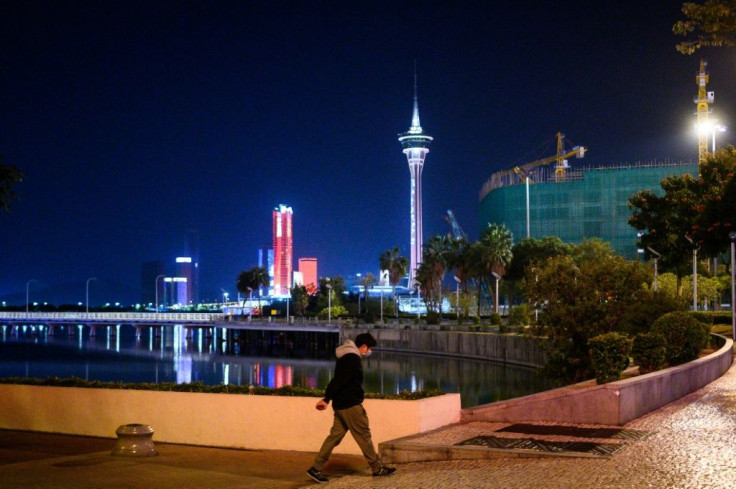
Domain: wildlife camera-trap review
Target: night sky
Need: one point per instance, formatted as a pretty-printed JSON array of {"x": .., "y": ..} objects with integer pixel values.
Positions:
[{"x": 136, "y": 121}]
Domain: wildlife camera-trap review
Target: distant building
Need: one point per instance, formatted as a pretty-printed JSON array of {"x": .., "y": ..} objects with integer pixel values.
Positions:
[
  {"x": 149, "y": 272},
  {"x": 308, "y": 270},
  {"x": 282, "y": 250},
  {"x": 184, "y": 287},
  {"x": 265, "y": 260},
  {"x": 586, "y": 203}
]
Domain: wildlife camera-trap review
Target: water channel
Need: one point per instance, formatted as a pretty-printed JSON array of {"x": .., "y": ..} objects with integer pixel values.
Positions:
[{"x": 116, "y": 353}]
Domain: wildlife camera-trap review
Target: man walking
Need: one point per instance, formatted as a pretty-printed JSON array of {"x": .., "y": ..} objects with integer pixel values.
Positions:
[{"x": 345, "y": 390}]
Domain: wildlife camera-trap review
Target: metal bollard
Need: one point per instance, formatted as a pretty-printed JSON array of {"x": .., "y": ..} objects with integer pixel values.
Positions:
[{"x": 134, "y": 440}]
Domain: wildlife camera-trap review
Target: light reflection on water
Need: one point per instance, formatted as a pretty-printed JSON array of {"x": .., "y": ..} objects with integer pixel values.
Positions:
[{"x": 121, "y": 353}]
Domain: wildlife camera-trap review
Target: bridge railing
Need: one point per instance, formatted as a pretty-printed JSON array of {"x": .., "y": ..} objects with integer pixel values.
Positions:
[{"x": 183, "y": 317}]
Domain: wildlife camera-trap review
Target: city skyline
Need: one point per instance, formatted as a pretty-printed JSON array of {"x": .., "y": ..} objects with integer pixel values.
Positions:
[{"x": 135, "y": 123}]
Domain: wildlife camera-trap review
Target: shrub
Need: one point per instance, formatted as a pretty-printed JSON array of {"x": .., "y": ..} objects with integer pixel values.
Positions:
[
  {"x": 334, "y": 313},
  {"x": 495, "y": 319},
  {"x": 609, "y": 354},
  {"x": 649, "y": 352},
  {"x": 433, "y": 317},
  {"x": 684, "y": 336},
  {"x": 519, "y": 315},
  {"x": 370, "y": 318}
]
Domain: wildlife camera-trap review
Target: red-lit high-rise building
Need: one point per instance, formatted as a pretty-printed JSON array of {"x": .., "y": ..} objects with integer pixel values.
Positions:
[
  {"x": 282, "y": 250},
  {"x": 308, "y": 269}
]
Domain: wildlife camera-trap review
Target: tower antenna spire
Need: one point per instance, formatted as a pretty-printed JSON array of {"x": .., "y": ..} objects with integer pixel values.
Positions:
[
  {"x": 416, "y": 126},
  {"x": 416, "y": 146}
]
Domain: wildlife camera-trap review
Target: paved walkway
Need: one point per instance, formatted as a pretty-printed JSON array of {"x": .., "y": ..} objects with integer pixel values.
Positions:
[{"x": 693, "y": 446}]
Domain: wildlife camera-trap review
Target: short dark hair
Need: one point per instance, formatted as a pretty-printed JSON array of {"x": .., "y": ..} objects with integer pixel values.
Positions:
[{"x": 365, "y": 339}]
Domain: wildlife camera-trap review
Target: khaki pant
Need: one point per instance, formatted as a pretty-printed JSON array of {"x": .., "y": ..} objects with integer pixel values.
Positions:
[{"x": 355, "y": 420}]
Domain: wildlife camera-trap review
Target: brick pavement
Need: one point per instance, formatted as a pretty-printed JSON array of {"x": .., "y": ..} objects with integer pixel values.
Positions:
[{"x": 693, "y": 446}]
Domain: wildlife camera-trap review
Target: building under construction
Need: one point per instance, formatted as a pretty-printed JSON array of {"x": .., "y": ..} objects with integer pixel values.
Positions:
[
  {"x": 548, "y": 197},
  {"x": 588, "y": 202}
]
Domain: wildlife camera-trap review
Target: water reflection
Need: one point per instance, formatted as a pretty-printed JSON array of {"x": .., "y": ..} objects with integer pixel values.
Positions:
[{"x": 238, "y": 357}]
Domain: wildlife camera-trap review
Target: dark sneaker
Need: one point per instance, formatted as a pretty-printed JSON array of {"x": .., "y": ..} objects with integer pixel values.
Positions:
[
  {"x": 384, "y": 470},
  {"x": 317, "y": 475}
]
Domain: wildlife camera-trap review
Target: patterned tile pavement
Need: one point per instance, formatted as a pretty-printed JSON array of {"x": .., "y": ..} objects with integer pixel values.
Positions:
[{"x": 692, "y": 445}]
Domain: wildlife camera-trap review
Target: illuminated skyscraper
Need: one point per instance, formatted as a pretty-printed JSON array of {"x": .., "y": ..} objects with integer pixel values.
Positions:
[
  {"x": 416, "y": 146},
  {"x": 308, "y": 268},
  {"x": 282, "y": 250}
]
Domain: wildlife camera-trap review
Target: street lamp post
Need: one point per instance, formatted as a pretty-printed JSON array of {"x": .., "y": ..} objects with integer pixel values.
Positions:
[
  {"x": 695, "y": 273},
  {"x": 87, "y": 303},
  {"x": 155, "y": 286},
  {"x": 329, "y": 303},
  {"x": 657, "y": 256},
  {"x": 497, "y": 277},
  {"x": 250, "y": 303},
  {"x": 457, "y": 298},
  {"x": 732, "y": 235},
  {"x": 418, "y": 285},
  {"x": 381, "y": 291},
  {"x": 28, "y": 284}
]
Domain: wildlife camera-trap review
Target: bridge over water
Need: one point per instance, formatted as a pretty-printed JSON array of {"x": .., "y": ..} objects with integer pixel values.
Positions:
[{"x": 189, "y": 320}]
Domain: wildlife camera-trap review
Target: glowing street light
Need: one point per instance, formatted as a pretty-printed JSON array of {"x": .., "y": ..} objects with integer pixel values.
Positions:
[
  {"x": 28, "y": 284},
  {"x": 711, "y": 127},
  {"x": 87, "y": 288}
]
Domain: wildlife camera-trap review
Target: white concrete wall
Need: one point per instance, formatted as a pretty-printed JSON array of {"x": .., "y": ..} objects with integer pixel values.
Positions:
[
  {"x": 615, "y": 403},
  {"x": 219, "y": 420}
]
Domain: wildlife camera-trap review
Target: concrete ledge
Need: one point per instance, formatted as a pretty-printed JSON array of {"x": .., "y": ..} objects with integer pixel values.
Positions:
[
  {"x": 217, "y": 420},
  {"x": 613, "y": 404}
]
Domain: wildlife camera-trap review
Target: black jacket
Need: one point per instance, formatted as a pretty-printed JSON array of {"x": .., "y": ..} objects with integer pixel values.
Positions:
[{"x": 346, "y": 387}]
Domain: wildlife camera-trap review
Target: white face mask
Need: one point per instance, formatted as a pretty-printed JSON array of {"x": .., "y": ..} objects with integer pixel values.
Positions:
[{"x": 367, "y": 354}]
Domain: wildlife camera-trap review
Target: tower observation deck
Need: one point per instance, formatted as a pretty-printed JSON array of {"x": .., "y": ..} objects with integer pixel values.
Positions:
[{"x": 416, "y": 146}]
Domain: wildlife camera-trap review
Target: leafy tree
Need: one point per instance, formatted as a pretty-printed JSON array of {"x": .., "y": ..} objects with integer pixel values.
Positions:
[
  {"x": 9, "y": 175},
  {"x": 715, "y": 218},
  {"x": 527, "y": 254},
  {"x": 322, "y": 300},
  {"x": 667, "y": 221},
  {"x": 299, "y": 299},
  {"x": 581, "y": 300},
  {"x": 367, "y": 281},
  {"x": 714, "y": 21},
  {"x": 397, "y": 266}
]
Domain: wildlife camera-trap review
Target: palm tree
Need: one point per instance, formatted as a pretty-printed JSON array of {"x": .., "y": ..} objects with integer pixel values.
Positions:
[
  {"x": 492, "y": 254},
  {"x": 367, "y": 282},
  {"x": 244, "y": 285},
  {"x": 458, "y": 259},
  {"x": 260, "y": 279},
  {"x": 396, "y": 265},
  {"x": 434, "y": 265},
  {"x": 250, "y": 280}
]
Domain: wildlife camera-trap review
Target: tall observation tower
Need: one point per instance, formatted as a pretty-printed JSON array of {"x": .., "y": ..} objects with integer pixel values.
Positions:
[{"x": 416, "y": 146}]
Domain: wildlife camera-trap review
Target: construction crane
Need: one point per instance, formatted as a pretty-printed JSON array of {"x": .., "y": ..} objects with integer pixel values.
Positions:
[
  {"x": 456, "y": 229},
  {"x": 560, "y": 159}
]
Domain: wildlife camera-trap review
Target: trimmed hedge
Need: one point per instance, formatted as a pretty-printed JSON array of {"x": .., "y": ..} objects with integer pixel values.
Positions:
[
  {"x": 200, "y": 387},
  {"x": 684, "y": 336},
  {"x": 609, "y": 354},
  {"x": 649, "y": 351}
]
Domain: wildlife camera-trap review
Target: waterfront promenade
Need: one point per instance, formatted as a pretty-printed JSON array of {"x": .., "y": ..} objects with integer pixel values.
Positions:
[{"x": 692, "y": 445}]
